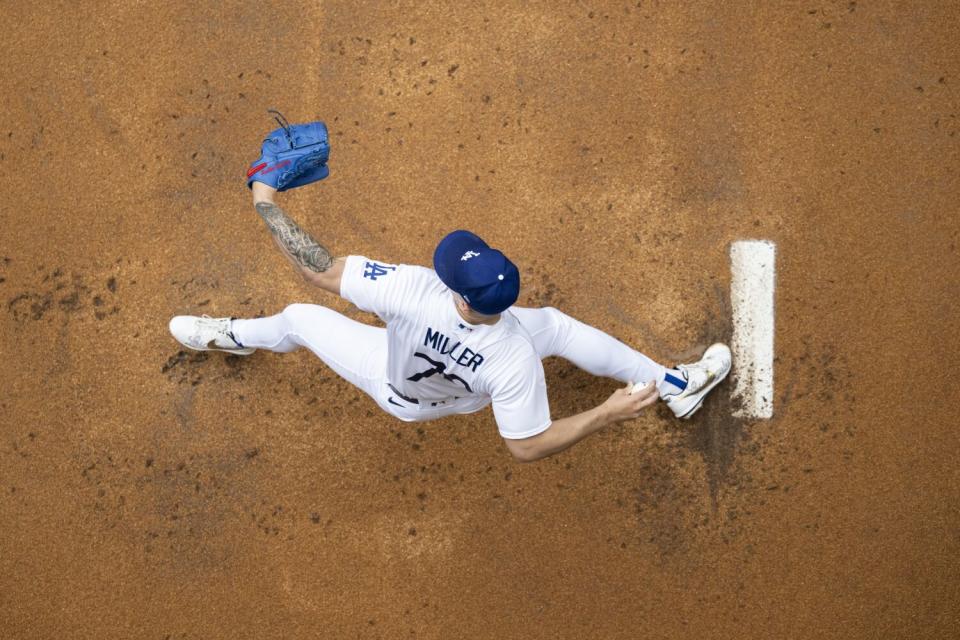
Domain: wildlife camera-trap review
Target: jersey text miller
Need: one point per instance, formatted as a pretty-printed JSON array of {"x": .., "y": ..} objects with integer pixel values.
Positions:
[{"x": 466, "y": 357}]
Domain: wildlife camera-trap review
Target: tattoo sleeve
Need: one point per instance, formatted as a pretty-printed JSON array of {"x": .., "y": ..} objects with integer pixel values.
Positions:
[{"x": 305, "y": 251}]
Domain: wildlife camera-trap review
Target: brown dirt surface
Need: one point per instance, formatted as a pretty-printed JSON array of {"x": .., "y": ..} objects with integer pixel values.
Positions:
[{"x": 613, "y": 150}]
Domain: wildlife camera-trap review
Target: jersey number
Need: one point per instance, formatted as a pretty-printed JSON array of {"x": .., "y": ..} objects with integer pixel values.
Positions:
[{"x": 438, "y": 367}]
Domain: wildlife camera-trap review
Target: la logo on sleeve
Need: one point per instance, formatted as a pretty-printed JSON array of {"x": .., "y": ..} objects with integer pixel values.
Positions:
[{"x": 374, "y": 270}]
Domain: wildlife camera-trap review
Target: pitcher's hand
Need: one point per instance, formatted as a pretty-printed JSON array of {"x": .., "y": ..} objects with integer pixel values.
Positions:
[{"x": 624, "y": 405}]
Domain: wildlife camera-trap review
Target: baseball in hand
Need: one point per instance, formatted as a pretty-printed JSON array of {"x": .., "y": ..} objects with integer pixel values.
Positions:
[{"x": 640, "y": 386}]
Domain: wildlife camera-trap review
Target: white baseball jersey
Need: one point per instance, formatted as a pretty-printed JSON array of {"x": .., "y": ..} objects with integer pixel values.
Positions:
[{"x": 435, "y": 355}]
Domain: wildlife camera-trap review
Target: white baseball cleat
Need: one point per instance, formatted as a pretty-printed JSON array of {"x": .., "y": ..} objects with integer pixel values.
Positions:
[
  {"x": 701, "y": 376},
  {"x": 199, "y": 332}
]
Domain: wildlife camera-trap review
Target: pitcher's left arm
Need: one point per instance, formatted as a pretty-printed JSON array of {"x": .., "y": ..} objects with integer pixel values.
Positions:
[{"x": 312, "y": 260}]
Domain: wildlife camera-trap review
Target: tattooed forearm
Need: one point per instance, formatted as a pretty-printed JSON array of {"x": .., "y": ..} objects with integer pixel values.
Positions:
[{"x": 305, "y": 251}]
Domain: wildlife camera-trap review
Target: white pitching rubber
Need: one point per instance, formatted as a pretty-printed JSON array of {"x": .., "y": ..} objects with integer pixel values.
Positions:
[{"x": 751, "y": 294}]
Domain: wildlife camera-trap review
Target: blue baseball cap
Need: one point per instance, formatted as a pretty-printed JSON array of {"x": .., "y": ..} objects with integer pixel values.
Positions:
[{"x": 486, "y": 279}]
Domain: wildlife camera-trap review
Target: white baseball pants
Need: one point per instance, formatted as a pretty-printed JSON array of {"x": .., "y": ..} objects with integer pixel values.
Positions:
[{"x": 358, "y": 352}]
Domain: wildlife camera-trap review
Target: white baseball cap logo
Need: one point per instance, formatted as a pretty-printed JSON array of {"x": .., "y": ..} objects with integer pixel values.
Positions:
[{"x": 468, "y": 255}]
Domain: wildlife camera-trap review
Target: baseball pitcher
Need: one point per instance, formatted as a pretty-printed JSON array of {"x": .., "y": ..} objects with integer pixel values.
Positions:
[{"x": 454, "y": 342}]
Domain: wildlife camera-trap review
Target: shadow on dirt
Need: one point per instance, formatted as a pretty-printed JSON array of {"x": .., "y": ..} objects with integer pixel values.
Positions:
[{"x": 714, "y": 432}]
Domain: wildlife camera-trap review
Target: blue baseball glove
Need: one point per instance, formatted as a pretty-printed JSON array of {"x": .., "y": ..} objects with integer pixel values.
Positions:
[{"x": 291, "y": 156}]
